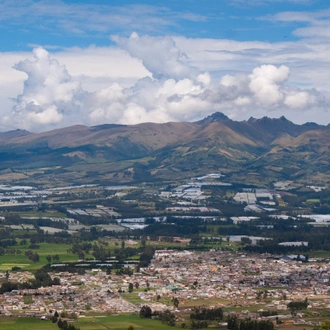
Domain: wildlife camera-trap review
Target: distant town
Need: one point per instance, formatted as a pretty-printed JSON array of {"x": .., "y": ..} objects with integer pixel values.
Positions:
[{"x": 255, "y": 253}]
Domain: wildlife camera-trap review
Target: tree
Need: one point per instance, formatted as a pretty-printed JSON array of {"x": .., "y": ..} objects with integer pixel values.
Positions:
[
  {"x": 145, "y": 312},
  {"x": 130, "y": 287},
  {"x": 246, "y": 241},
  {"x": 176, "y": 302},
  {"x": 143, "y": 242},
  {"x": 49, "y": 258},
  {"x": 325, "y": 325},
  {"x": 56, "y": 257},
  {"x": 81, "y": 255},
  {"x": 167, "y": 318},
  {"x": 233, "y": 323},
  {"x": 33, "y": 256},
  {"x": 297, "y": 305},
  {"x": 211, "y": 314}
]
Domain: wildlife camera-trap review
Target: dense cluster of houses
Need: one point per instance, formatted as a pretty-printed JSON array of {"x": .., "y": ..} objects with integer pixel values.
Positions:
[{"x": 231, "y": 279}]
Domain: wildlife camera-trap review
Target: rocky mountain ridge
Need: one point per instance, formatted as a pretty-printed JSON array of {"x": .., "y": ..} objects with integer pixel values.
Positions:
[{"x": 266, "y": 149}]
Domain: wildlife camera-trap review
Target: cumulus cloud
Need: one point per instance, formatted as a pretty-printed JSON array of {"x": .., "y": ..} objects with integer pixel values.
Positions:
[
  {"x": 265, "y": 87},
  {"x": 49, "y": 92},
  {"x": 172, "y": 90},
  {"x": 160, "y": 55},
  {"x": 266, "y": 81}
]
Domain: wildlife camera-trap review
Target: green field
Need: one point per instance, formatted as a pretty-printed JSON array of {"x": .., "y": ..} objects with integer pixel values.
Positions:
[
  {"x": 40, "y": 214},
  {"x": 121, "y": 322},
  {"x": 312, "y": 201},
  {"x": 8, "y": 261},
  {"x": 319, "y": 254},
  {"x": 25, "y": 324}
]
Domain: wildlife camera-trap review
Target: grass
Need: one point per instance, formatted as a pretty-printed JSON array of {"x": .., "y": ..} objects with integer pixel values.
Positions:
[
  {"x": 133, "y": 298},
  {"x": 312, "y": 201},
  {"x": 203, "y": 302},
  {"x": 28, "y": 299},
  {"x": 136, "y": 300},
  {"x": 121, "y": 322},
  {"x": 9, "y": 266},
  {"x": 26, "y": 323},
  {"x": 20, "y": 260},
  {"x": 41, "y": 214},
  {"x": 319, "y": 254},
  {"x": 253, "y": 308},
  {"x": 268, "y": 288}
]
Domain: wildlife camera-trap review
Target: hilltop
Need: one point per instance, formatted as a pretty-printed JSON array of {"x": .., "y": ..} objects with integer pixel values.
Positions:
[{"x": 254, "y": 150}]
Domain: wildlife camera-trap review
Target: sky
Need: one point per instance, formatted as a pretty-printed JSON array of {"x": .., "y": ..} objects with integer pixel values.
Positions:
[{"x": 92, "y": 62}]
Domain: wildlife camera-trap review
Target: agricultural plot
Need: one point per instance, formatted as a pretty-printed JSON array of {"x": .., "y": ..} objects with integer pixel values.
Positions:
[
  {"x": 26, "y": 323},
  {"x": 20, "y": 260},
  {"x": 121, "y": 322}
]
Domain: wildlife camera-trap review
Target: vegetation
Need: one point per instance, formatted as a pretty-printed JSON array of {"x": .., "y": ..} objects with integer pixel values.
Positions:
[
  {"x": 202, "y": 313},
  {"x": 42, "y": 278},
  {"x": 237, "y": 324}
]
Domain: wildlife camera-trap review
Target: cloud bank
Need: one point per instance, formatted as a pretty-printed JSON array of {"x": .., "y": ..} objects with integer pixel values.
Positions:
[{"x": 174, "y": 89}]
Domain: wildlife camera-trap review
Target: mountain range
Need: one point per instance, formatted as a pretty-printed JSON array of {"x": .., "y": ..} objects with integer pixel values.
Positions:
[{"x": 257, "y": 150}]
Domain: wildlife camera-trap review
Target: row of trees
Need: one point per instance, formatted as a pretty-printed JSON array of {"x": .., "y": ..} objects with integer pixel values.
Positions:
[
  {"x": 33, "y": 256},
  {"x": 165, "y": 317},
  {"x": 199, "y": 316},
  {"x": 234, "y": 323},
  {"x": 202, "y": 313},
  {"x": 41, "y": 278},
  {"x": 63, "y": 324}
]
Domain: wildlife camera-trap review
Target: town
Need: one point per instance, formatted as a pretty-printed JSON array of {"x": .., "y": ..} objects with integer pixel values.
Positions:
[
  {"x": 247, "y": 285},
  {"x": 254, "y": 252}
]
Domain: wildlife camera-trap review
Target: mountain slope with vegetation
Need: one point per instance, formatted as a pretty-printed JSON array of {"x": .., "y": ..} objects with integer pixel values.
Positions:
[{"x": 257, "y": 149}]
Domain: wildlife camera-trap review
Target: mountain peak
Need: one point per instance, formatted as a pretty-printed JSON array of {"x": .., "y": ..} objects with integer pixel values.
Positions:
[
  {"x": 217, "y": 116},
  {"x": 14, "y": 134},
  {"x": 269, "y": 120}
]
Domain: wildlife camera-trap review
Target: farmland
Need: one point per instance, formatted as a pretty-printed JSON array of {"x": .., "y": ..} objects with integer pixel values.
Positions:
[{"x": 119, "y": 322}]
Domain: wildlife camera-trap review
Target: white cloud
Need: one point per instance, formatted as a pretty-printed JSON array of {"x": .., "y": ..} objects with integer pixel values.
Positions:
[
  {"x": 159, "y": 55},
  {"x": 47, "y": 82},
  {"x": 48, "y": 92},
  {"x": 165, "y": 84},
  {"x": 300, "y": 100},
  {"x": 48, "y": 116},
  {"x": 265, "y": 83},
  {"x": 92, "y": 18},
  {"x": 317, "y": 23}
]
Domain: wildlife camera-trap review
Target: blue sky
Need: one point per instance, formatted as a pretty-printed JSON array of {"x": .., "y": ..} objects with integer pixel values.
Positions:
[
  {"x": 91, "y": 62},
  {"x": 70, "y": 23}
]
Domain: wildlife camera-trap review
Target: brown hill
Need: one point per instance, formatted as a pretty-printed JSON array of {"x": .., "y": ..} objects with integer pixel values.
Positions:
[{"x": 271, "y": 148}]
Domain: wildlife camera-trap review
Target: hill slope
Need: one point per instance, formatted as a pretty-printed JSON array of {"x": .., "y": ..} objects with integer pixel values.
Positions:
[{"x": 258, "y": 149}]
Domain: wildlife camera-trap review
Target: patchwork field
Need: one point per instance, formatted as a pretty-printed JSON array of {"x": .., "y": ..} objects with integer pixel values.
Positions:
[
  {"x": 20, "y": 260},
  {"x": 121, "y": 322}
]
